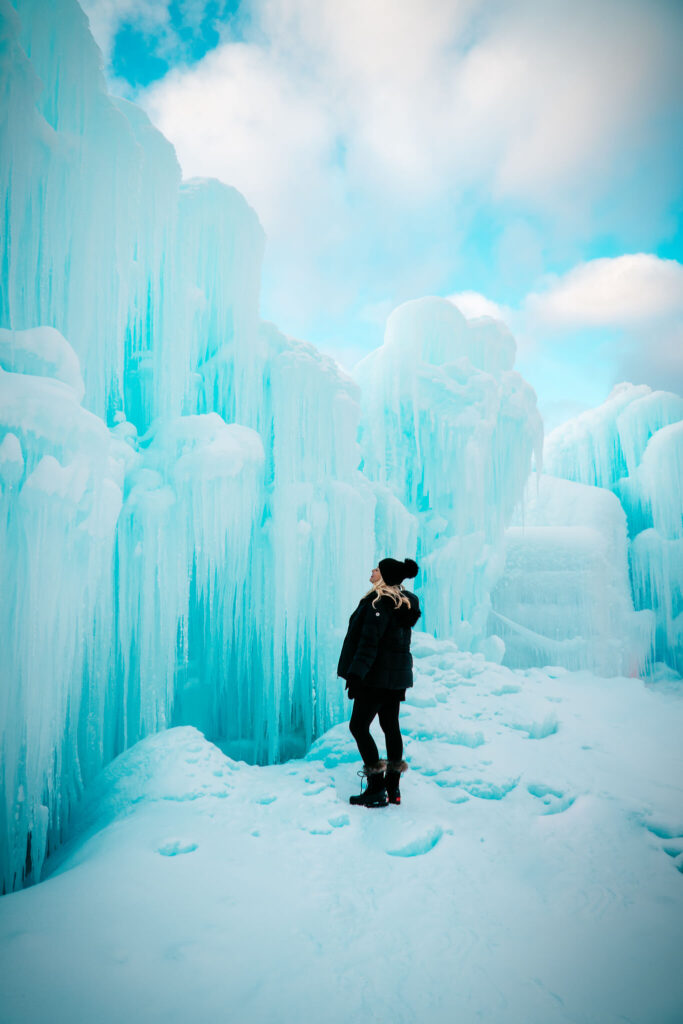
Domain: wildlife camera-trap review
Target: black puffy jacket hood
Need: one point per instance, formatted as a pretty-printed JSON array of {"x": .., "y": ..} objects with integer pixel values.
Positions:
[
  {"x": 409, "y": 616},
  {"x": 405, "y": 616}
]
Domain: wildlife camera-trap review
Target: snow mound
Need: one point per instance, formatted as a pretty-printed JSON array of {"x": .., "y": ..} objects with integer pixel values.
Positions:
[{"x": 44, "y": 352}]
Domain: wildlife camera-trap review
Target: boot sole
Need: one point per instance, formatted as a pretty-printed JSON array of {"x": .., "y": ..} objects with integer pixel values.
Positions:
[{"x": 370, "y": 804}]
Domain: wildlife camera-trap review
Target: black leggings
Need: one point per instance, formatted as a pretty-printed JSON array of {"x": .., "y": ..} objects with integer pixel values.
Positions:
[{"x": 365, "y": 707}]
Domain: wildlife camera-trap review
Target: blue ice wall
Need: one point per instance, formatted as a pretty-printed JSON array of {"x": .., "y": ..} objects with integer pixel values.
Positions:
[
  {"x": 184, "y": 524},
  {"x": 632, "y": 444},
  {"x": 565, "y": 597},
  {"x": 450, "y": 428}
]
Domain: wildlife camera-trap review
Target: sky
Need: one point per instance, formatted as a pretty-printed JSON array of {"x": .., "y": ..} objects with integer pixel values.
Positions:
[{"x": 522, "y": 157}]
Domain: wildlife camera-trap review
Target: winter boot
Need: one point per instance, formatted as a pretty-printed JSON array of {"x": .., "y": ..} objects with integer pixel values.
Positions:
[
  {"x": 395, "y": 770},
  {"x": 375, "y": 795}
]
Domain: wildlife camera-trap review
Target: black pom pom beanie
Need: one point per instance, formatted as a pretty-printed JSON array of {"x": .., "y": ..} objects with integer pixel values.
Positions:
[{"x": 394, "y": 572}]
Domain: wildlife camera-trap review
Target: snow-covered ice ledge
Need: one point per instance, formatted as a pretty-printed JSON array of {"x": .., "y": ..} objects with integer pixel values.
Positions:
[{"x": 533, "y": 873}]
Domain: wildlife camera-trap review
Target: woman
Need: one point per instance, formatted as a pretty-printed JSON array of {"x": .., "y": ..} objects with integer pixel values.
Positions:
[{"x": 377, "y": 665}]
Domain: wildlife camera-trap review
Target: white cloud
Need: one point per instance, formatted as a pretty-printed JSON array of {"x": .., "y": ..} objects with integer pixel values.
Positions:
[
  {"x": 151, "y": 17},
  {"x": 153, "y": 20},
  {"x": 243, "y": 120},
  {"x": 367, "y": 136},
  {"x": 353, "y": 129},
  {"x": 429, "y": 98},
  {"x": 474, "y": 304},
  {"x": 613, "y": 319},
  {"x": 628, "y": 291}
]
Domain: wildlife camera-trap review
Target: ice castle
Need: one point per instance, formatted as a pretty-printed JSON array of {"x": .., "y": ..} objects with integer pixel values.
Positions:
[{"x": 191, "y": 502}]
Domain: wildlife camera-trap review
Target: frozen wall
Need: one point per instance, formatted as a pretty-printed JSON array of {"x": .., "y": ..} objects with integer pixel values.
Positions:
[
  {"x": 184, "y": 526},
  {"x": 71, "y": 172},
  {"x": 60, "y": 497},
  {"x": 633, "y": 445},
  {"x": 654, "y": 496},
  {"x": 184, "y": 529},
  {"x": 198, "y": 577},
  {"x": 565, "y": 598},
  {"x": 110, "y": 553},
  {"x": 449, "y": 428}
]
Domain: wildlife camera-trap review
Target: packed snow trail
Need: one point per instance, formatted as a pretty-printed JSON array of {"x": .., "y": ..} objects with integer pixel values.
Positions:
[{"x": 532, "y": 875}]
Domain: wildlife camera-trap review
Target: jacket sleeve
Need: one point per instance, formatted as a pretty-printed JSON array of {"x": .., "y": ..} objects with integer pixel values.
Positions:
[{"x": 373, "y": 628}]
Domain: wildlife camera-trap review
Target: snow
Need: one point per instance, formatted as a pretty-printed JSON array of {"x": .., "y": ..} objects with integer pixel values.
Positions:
[
  {"x": 532, "y": 873},
  {"x": 43, "y": 352}
]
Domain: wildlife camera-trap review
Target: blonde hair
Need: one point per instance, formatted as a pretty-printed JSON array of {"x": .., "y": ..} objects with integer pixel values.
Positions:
[{"x": 383, "y": 589}]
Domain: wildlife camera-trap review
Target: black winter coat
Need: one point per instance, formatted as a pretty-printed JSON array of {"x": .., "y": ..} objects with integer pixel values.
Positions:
[{"x": 376, "y": 647}]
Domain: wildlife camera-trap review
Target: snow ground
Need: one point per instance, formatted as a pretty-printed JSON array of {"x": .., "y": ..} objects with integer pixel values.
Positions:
[{"x": 532, "y": 875}]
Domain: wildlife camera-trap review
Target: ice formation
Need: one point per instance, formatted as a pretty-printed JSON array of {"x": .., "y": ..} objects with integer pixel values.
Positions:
[
  {"x": 449, "y": 427},
  {"x": 633, "y": 445},
  {"x": 191, "y": 502},
  {"x": 184, "y": 527},
  {"x": 564, "y": 598}
]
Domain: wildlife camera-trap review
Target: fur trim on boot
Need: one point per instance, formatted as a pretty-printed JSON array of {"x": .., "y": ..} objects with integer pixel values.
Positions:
[{"x": 395, "y": 770}]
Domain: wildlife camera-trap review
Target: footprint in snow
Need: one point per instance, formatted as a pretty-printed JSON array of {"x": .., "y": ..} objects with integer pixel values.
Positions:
[
  {"x": 420, "y": 845},
  {"x": 174, "y": 847},
  {"x": 538, "y": 730},
  {"x": 339, "y": 821},
  {"x": 484, "y": 789},
  {"x": 673, "y": 840},
  {"x": 555, "y": 801}
]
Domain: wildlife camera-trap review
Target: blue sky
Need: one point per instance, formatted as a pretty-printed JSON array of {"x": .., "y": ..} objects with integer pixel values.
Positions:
[{"x": 523, "y": 157}]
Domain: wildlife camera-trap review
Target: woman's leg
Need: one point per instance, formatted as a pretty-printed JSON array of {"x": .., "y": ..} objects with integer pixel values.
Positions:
[
  {"x": 364, "y": 710},
  {"x": 388, "y": 719}
]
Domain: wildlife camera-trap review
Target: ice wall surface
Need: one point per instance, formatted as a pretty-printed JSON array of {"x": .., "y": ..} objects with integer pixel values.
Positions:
[
  {"x": 449, "y": 428},
  {"x": 565, "y": 598},
  {"x": 184, "y": 527},
  {"x": 633, "y": 445}
]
